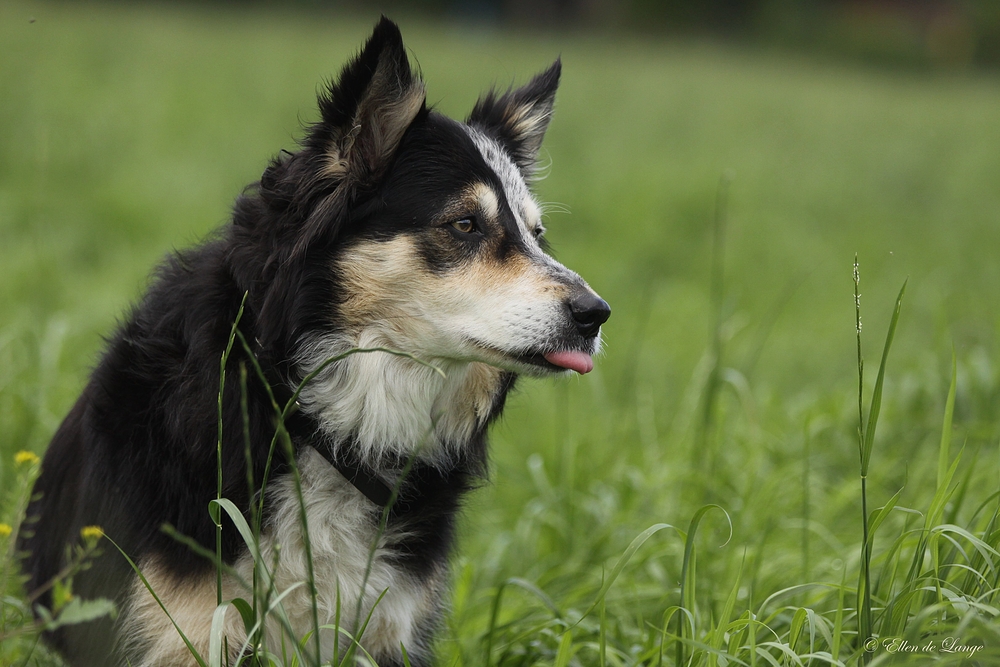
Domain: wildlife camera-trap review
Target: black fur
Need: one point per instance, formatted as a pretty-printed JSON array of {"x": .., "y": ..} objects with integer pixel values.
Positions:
[
  {"x": 496, "y": 114},
  {"x": 138, "y": 449}
]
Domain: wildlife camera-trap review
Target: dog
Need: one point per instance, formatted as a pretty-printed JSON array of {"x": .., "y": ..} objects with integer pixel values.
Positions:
[{"x": 392, "y": 228}]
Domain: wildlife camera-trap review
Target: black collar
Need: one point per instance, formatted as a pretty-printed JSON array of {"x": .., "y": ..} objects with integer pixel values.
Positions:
[
  {"x": 303, "y": 428},
  {"x": 363, "y": 478}
]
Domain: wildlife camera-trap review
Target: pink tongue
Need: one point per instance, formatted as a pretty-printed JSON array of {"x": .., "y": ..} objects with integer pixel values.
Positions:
[{"x": 575, "y": 361}]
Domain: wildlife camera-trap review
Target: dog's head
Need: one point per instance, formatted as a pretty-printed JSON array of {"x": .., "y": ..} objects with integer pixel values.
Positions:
[{"x": 427, "y": 225}]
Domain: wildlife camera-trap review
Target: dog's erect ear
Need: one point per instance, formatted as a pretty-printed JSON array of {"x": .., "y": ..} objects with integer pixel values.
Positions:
[
  {"x": 367, "y": 110},
  {"x": 519, "y": 118}
]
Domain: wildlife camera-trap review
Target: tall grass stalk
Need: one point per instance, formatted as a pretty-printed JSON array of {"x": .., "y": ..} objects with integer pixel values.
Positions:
[
  {"x": 688, "y": 578},
  {"x": 253, "y": 639},
  {"x": 218, "y": 448},
  {"x": 864, "y": 608},
  {"x": 866, "y": 440},
  {"x": 716, "y": 299}
]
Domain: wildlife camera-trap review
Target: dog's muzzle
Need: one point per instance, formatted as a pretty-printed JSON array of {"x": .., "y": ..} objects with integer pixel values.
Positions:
[{"x": 587, "y": 313}]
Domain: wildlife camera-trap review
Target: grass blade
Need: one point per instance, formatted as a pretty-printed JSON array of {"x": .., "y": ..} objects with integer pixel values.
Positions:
[
  {"x": 622, "y": 562},
  {"x": 718, "y": 636},
  {"x": 876, "y": 405},
  {"x": 866, "y": 439},
  {"x": 217, "y": 635},
  {"x": 949, "y": 411},
  {"x": 688, "y": 572},
  {"x": 218, "y": 448},
  {"x": 565, "y": 649}
]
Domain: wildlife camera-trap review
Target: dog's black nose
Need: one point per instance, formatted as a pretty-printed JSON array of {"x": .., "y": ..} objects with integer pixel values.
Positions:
[{"x": 589, "y": 312}]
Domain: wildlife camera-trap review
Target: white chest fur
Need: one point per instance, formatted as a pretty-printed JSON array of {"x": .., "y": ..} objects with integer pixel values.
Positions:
[
  {"x": 391, "y": 405},
  {"x": 352, "y": 565},
  {"x": 352, "y": 568}
]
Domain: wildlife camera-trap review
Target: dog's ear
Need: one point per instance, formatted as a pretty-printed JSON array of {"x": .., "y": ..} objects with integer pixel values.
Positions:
[
  {"x": 519, "y": 118},
  {"x": 367, "y": 110}
]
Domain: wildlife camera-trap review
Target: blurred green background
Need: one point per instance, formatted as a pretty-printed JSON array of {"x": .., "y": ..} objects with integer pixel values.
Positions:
[
  {"x": 127, "y": 129},
  {"x": 909, "y": 33}
]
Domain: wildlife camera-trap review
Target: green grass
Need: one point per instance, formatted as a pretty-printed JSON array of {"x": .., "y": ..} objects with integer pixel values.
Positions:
[{"x": 128, "y": 130}]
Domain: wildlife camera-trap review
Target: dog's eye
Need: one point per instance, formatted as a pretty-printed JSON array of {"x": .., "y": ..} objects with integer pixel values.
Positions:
[{"x": 465, "y": 225}]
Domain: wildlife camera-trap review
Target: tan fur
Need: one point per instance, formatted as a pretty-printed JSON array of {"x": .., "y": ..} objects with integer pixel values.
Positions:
[
  {"x": 151, "y": 640},
  {"x": 480, "y": 386},
  {"x": 381, "y": 119},
  {"x": 336, "y": 164},
  {"x": 491, "y": 274},
  {"x": 379, "y": 278},
  {"x": 388, "y": 285},
  {"x": 486, "y": 199},
  {"x": 532, "y": 214},
  {"x": 385, "y": 282},
  {"x": 528, "y": 123},
  {"x": 478, "y": 198}
]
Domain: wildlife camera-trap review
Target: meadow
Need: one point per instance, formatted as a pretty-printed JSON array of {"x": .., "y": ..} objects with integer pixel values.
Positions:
[{"x": 716, "y": 196}]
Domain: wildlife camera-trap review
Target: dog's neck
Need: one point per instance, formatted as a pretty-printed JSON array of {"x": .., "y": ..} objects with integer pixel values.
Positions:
[{"x": 387, "y": 407}]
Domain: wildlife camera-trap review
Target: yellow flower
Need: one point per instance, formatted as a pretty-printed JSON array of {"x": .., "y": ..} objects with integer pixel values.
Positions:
[
  {"x": 91, "y": 532},
  {"x": 25, "y": 456},
  {"x": 5, "y": 530}
]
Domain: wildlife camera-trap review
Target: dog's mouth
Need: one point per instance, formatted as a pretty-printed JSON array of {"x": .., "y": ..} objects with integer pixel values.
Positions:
[
  {"x": 554, "y": 361},
  {"x": 574, "y": 360},
  {"x": 559, "y": 361}
]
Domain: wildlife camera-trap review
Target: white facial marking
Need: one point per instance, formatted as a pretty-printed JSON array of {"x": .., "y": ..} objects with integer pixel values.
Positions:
[{"x": 515, "y": 189}]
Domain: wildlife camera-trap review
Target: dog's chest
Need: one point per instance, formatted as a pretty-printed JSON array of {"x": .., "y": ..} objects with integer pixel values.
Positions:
[{"x": 353, "y": 564}]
